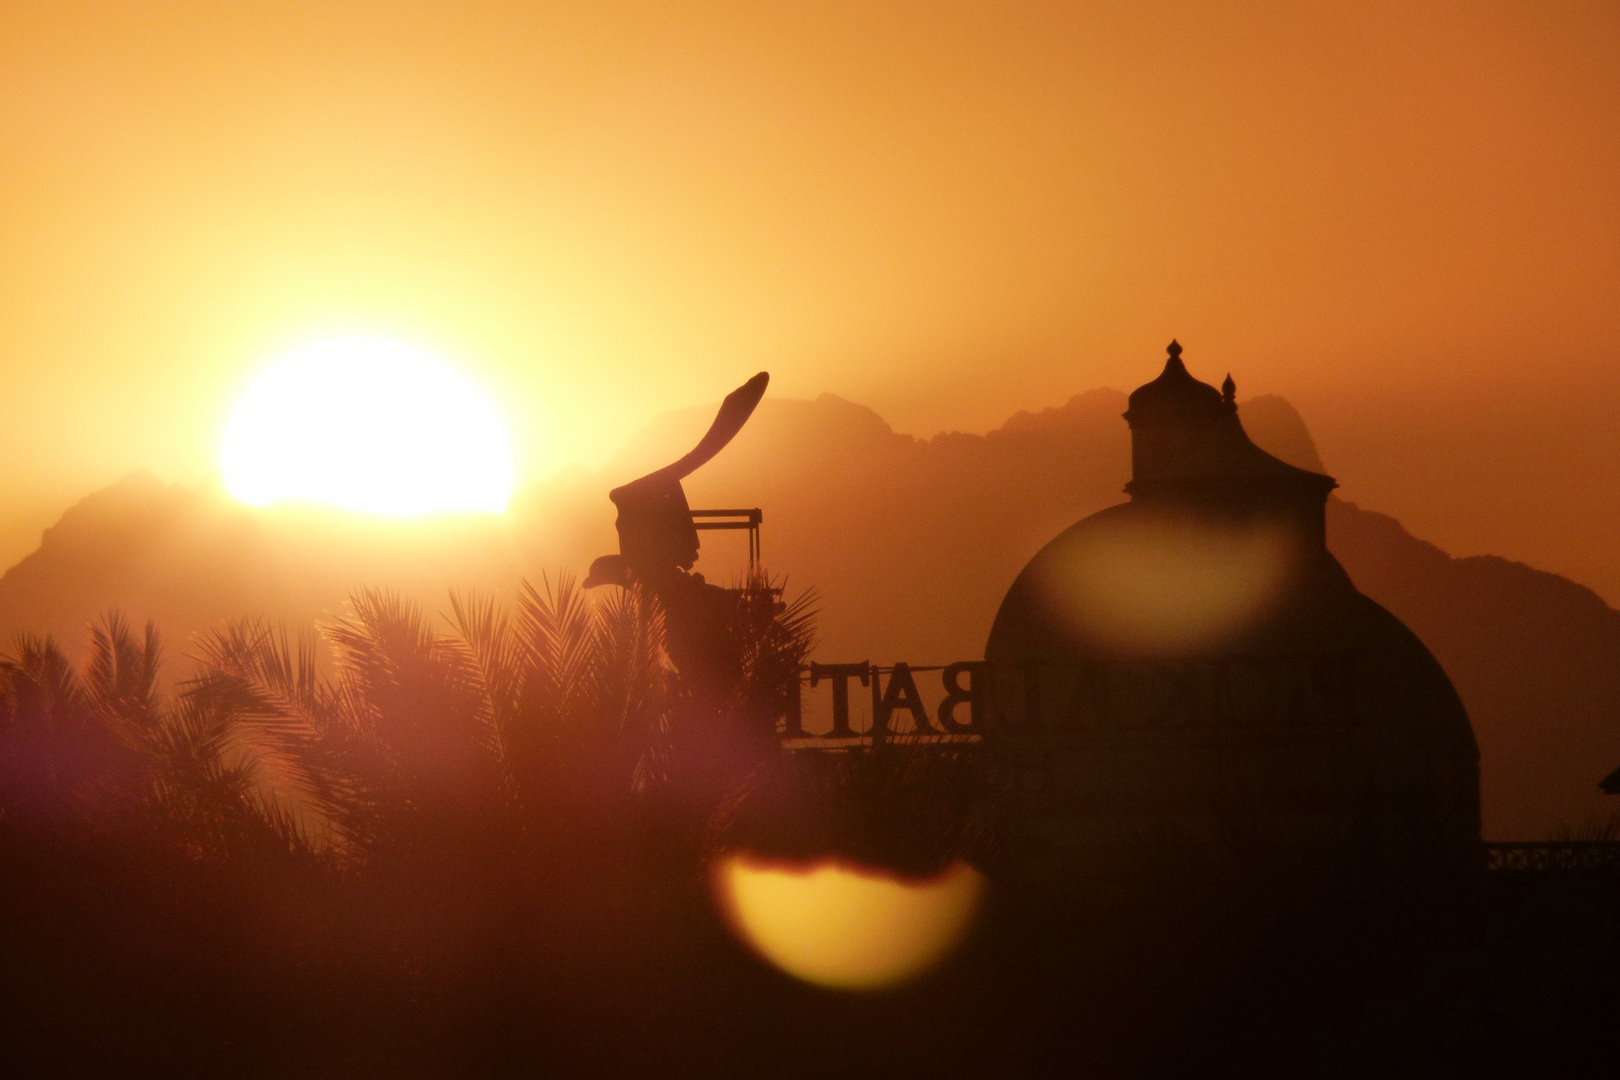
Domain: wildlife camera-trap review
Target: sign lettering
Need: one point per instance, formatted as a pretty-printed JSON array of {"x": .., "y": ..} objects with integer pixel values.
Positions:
[{"x": 970, "y": 698}]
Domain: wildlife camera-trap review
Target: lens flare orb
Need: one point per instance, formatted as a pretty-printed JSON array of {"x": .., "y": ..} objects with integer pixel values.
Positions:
[
  {"x": 1150, "y": 583},
  {"x": 844, "y": 927},
  {"x": 370, "y": 424}
]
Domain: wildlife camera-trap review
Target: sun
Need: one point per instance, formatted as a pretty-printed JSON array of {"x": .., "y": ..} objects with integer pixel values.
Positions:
[{"x": 370, "y": 424}]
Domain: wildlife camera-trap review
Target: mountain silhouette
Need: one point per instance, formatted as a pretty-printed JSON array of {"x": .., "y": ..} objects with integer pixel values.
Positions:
[
  {"x": 188, "y": 558},
  {"x": 910, "y": 542}
]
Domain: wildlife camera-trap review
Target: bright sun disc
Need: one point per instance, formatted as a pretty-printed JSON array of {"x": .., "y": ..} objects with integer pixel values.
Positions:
[{"x": 369, "y": 424}]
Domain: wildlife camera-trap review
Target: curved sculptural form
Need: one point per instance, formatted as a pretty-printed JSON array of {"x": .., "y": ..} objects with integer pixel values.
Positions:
[
  {"x": 656, "y": 533},
  {"x": 658, "y": 546}
]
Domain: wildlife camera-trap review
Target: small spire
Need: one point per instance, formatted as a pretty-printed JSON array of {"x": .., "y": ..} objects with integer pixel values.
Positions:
[
  {"x": 1174, "y": 365},
  {"x": 1228, "y": 389}
]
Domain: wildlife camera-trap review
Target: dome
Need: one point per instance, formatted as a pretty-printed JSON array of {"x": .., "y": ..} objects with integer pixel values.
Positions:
[
  {"x": 1175, "y": 392},
  {"x": 1188, "y": 444},
  {"x": 1197, "y": 653}
]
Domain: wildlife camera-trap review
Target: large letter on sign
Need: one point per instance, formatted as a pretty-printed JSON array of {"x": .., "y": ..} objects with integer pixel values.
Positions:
[
  {"x": 840, "y": 675},
  {"x": 793, "y": 711},
  {"x": 955, "y": 695},
  {"x": 901, "y": 694}
]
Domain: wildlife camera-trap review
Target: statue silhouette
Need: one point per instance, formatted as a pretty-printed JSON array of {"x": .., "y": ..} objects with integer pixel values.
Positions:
[
  {"x": 656, "y": 533},
  {"x": 1611, "y": 783},
  {"x": 658, "y": 546}
]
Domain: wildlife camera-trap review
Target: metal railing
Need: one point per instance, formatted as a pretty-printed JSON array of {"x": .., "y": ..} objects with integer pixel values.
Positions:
[
  {"x": 1577, "y": 856},
  {"x": 746, "y": 518}
]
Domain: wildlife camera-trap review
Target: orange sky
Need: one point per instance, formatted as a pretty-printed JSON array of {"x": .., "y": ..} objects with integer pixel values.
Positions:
[{"x": 1404, "y": 217}]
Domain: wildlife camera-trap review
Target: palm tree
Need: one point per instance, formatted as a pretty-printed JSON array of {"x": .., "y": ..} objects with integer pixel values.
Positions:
[
  {"x": 556, "y": 719},
  {"x": 578, "y": 692},
  {"x": 51, "y": 751},
  {"x": 101, "y": 746}
]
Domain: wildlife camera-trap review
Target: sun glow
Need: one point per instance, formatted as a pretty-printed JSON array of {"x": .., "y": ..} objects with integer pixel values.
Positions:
[
  {"x": 369, "y": 424},
  {"x": 845, "y": 927}
]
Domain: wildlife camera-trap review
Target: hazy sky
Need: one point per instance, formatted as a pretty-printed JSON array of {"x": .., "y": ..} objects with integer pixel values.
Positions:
[{"x": 1404, "y": 217}]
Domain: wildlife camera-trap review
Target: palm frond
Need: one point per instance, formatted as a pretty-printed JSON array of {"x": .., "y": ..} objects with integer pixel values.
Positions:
[
  {"x": 417, "y": 702},
  {"x": 556, "y": 632},
  {"x": 204, "y": 803},
  {"x": 287, "y": 720},
  {"x": 54, "y": 756},
  {"x": 120, "y": 677},
  {"x": 493, "y": 656},
  {"x": 42, "y": 684}
]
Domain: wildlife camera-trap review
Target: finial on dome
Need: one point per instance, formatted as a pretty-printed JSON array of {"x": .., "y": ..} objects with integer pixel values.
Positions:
[
  {"x": 1174, "y": 366},
  {"x": 1228, "y": 389}
]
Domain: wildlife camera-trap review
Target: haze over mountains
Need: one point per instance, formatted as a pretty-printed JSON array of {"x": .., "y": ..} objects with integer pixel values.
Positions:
[{"x": 910, "y": 543}]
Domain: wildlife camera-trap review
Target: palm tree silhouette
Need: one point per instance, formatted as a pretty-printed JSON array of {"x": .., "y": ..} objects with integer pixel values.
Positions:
[
  {"x": 557, "y": 719},
  {"x": 101, "y": 746}
]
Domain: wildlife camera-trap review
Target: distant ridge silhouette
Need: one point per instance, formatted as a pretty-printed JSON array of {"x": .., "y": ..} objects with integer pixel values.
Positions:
[{"x": 911, "y": 543}]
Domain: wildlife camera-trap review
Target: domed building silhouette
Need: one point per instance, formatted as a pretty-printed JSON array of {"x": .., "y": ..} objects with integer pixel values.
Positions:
[{"x": 1195, "y": 659}]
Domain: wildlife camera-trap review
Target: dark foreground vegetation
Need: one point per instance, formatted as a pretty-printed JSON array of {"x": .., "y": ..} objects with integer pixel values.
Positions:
[{"x": 481, "y": 853}]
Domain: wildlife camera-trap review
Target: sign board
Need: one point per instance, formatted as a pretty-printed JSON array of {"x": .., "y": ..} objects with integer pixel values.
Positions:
[{"x": 966, "y": 699}]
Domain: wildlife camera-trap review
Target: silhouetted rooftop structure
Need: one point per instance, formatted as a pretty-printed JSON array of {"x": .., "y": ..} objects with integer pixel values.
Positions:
[
  {"x": 1196, "y": 656},
  {"x": 1188, "y": 445}
]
